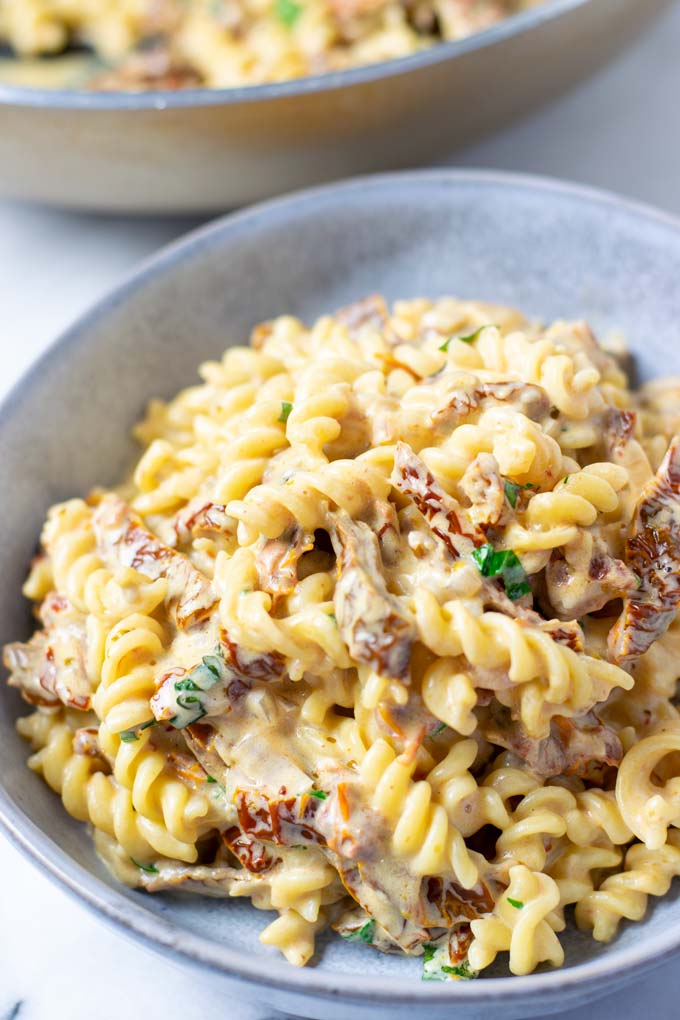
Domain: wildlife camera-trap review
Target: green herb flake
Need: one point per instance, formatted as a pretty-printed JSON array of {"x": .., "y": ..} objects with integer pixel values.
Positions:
[
  {"x": 214, "y": 664},
  {"x": 131, "y": 735},
  {"x": 187, "y": 684},
  {"x": 440, "y": 729},
  {"x": 513, "y": 489},
  {"x": 190, "y": 703},
  {"x": 469, "y": 339},
  {"x": 319, "y": 794},
  {"x": 517, "y": 591},
  {"x": 517, "y": 904},
  {"x": 507, "y": 566},
  {"x": 150, "y": 868},
  {"x": 288, "y": 12},
  {"x": 363, "y": 934},
  {"x": 286, "y": 408},
  {"x": 436, "y": 969},
  {"x": 189, "y": 689},
  {"x": 511, "y": 492},
  {"x": 464, "y": 971},
  {"x": 210, "y": 780}
]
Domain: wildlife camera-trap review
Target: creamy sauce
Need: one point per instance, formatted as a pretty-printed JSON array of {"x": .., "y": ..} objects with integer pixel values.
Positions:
[{"x": 325, "y": 651}]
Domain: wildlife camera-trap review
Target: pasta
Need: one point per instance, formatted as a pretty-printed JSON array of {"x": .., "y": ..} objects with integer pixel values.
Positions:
[
  {"x": 170, "y": 44},
  {"x": 379, "y": 633}
]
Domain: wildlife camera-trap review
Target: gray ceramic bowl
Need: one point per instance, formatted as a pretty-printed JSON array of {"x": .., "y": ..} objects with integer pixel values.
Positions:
[
  {"x": 212, "y": 150},
  {"x": 552, "y": 250}
]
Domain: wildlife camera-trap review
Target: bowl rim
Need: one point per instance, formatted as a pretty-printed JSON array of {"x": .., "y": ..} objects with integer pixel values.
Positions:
[
  {"x": 74, "y": 99},
  {"x": 159, "y": 932}
]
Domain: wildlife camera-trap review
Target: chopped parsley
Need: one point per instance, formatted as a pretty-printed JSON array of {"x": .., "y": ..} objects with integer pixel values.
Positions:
[
  {"x": 129, "y": 736},
  {"x": 189, "y": 690},
  {"x": 514, "y": 903},
  {"x": 513, "y": 489},
  {"x": 286, "y": 408},
  {"x": 319, "y": 794},
  {"x": 364, "y": 934},
  {"x": 210, "y": 780},
  {"x": 188, "y": 684},
  {"x": 288, "y": 11},
  {"x": 151, "y": 868},
  {"x": 436, "y": 969},
  {"x": 469, "y": 339},
  {"x": 507, "y": 566},
  {"x": 440, "y": 729}
]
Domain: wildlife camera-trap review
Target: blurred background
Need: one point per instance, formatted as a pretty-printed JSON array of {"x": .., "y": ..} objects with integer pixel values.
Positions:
[{"x": 619, "y": 130}]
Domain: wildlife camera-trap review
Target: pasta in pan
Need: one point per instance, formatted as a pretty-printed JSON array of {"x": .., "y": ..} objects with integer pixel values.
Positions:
[
  {"x": 168, "y": 44},
  {"x": 380, "y": 634}
]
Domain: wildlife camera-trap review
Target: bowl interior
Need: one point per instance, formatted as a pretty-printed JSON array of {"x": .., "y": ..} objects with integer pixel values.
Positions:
[{"x": 551, "y": 250}]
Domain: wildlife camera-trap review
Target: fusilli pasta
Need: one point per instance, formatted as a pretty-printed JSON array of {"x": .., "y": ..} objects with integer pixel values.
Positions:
[
  {"x": 223, "y": 43},
  {"x": 380, "y": 634}
]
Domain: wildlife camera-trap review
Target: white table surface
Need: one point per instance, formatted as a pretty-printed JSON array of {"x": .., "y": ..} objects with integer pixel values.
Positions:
[{"x": 620, "y": 130}]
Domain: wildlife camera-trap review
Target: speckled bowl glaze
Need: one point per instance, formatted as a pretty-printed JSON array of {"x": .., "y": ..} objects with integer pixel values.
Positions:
[
  {"x": 548, "y": 248},
  {"x": 201, "y": 149}
]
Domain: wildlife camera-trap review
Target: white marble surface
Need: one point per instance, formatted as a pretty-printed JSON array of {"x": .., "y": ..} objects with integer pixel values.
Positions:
[{"x": 620, "y": 130}]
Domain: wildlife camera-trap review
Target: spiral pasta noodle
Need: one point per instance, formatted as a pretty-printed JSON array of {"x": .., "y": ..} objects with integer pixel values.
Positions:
[
  {"x": 90, "y": 794},
  {"x": 379, "y": 634},
  {"x": 421, "y": 829},
  {"x": 624, "y": 895},
  {"x": 545, "y": 676}
]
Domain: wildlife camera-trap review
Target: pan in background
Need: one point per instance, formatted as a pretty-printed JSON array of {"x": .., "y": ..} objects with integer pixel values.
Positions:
[{"x": 203, "y": 150}]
